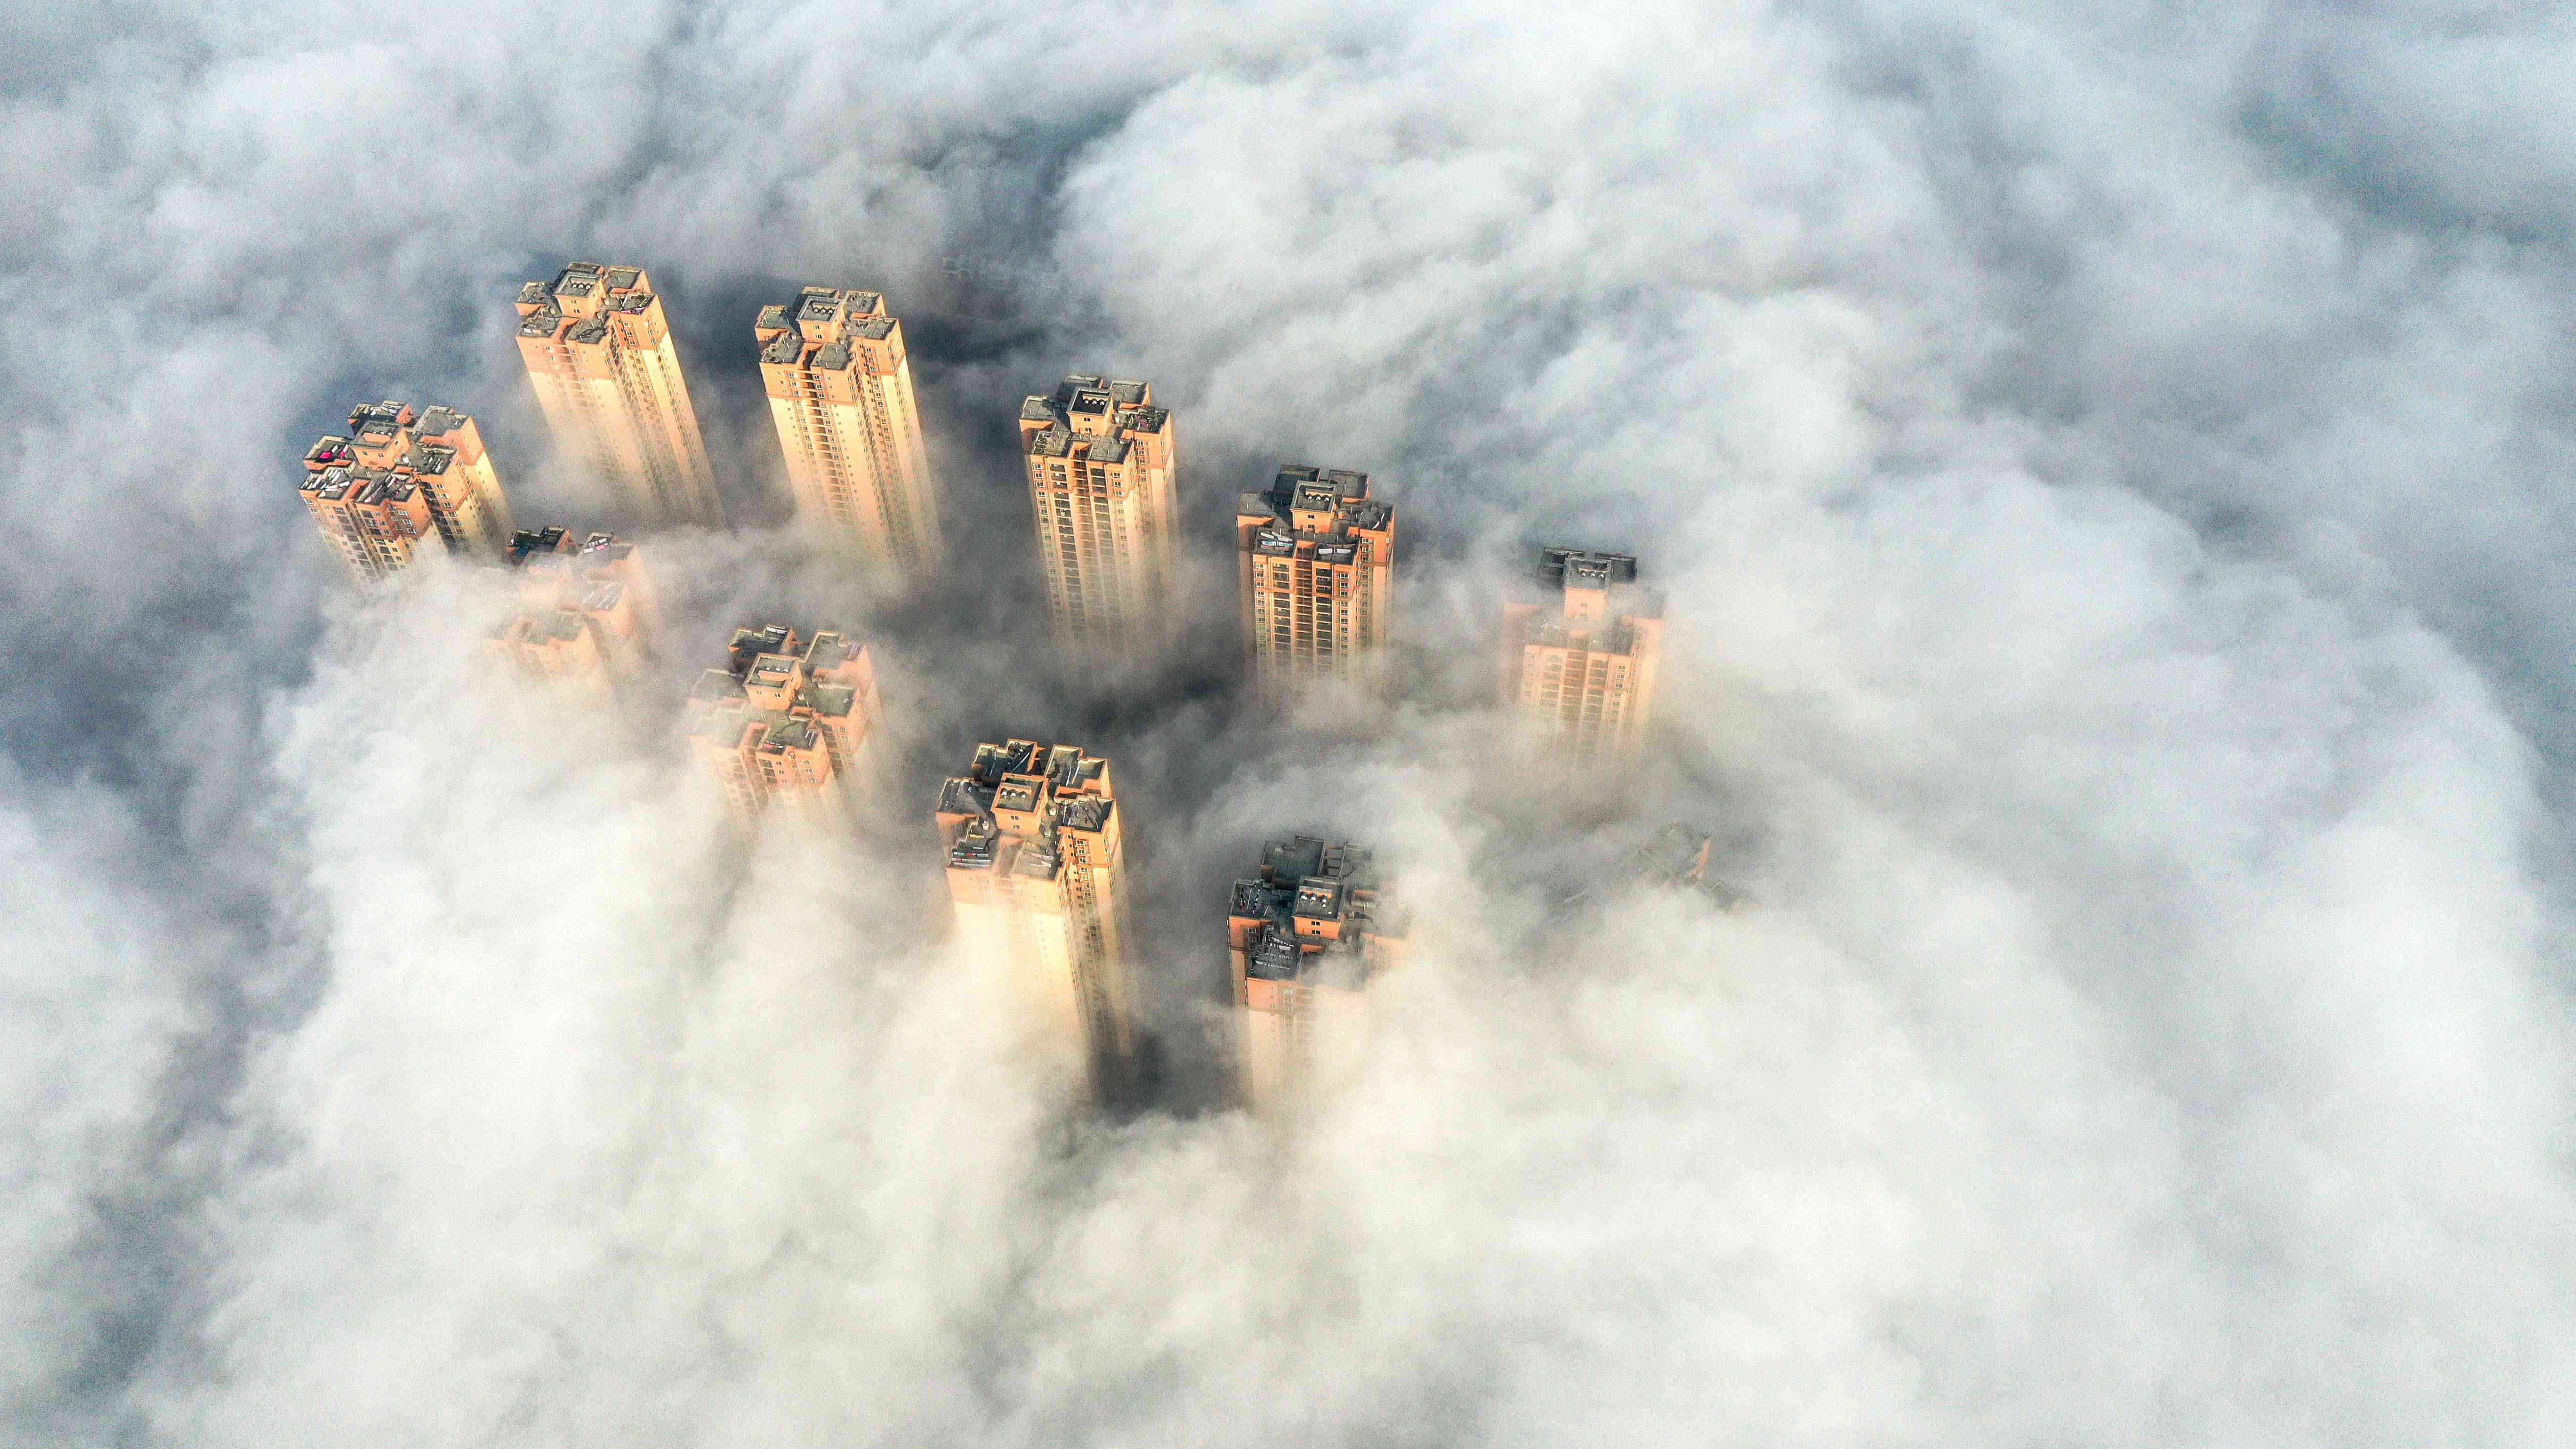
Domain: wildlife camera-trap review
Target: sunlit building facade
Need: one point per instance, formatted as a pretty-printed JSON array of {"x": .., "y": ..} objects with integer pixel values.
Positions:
[
  {"x": 599, "y": 355},
  {"x": 402, "y": 479},
  {"x": 1037, "y": 874},
  {"x": 840, "y": 394},
  {"x": 1580, "y": 671},
  {"x": 1306, "y": 936},
  {"x": 1101, "y": 457},
  {"x": 789, "y": 723},
  {"x": 1316, "y": 561}
]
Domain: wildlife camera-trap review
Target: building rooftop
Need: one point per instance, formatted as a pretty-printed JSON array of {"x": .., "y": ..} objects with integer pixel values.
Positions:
[
  {"x": 1305, "y": 887},
  {"x": 1298, "y": 488},
  {"x": 1057, "y": 786},
  {"x": 1613, "y": 575}
]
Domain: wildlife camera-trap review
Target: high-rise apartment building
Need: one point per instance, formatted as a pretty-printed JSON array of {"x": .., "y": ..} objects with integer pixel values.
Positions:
[
  {"x": 1038, "y": 876},
  {"x": 1306, "y": 936},
  {"x": 789, "y": 722},
  {"x": 840, "y": 391},
  {"x": 599, "y": 355},
  {"x": 586, "y": 611},
  {"x": 1100, "y": 462},
  {"x": 1316, "y": 560},
  {"x": 1582, "y": 674},
  {"x": 399, "y": 477}
]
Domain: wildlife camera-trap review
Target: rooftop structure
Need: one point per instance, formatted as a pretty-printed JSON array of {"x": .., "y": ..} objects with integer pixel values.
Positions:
[
  {"x": 1580, "y": 670},
  {"x": 401, "y": 477},
  {"x": 790, "y": 720},
  {"x": 599, "y": 355},
  {"x": 1037, "y": 875},
  {"x": 1101, "y": 458},
  {"x": 585, "y": 609},
  {"x": 840, "y": 393},
  {"x": 1305, "y": 937},
  {"x": 1316, "y": 559}
]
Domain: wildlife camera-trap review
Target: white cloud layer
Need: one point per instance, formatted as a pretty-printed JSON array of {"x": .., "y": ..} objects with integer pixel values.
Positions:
[{"x": 2108, "y": 472}]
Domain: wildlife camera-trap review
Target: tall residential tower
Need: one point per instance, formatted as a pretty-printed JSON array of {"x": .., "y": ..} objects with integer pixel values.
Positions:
[
  {"x": 599, "y": 355},
  {"x": 1038, "y": 876},
  {"x": 790, "y": 721},
  {"x": 1581, "y": 674},
  {"x": 1305, "y": 936},
  {"x": 840, "y": 391},
  {"x": 401, "y": 476},
  {"x": 1100, "y": 459},
  {"x": 1316, "y": 559}
]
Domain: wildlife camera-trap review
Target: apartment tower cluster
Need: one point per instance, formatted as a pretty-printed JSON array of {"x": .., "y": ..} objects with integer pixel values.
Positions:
[
  {"x": 1031, "y": 833},
  {"x": 1580, "y": 668},
  {"x": 1037, "y": 874},
  {"x": 788, "y": 723},
  {"x": 599, "y": 355},
  {"x": 1100, "y": 458},
  {"x": 1316, "y": 561},
  {"x": 1305, "y": 937},
  {"x": 400, "y": 480},
  {"x": 840, "y": 392}
]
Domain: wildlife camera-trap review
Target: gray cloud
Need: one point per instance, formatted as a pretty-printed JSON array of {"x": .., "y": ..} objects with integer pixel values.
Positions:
[{"x": 2107, "y": 472}]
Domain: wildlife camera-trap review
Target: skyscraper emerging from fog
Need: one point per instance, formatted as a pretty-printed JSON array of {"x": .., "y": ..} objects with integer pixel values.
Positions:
[
  {"x": 599, "y": 355},
  {"x": 1305, "y": 937},
  {"x": 1581, "y": 674},
  {"x": 1316, "y": 559},
  {"x": 1100, "y": 458},
  {"x": 790, "y": 721},
  {"x": 1037, "y": 874},
  {"x": 401, "y": 478},
  {"x": 840, "y": 392},
  {"x": 586, "y": 611}
]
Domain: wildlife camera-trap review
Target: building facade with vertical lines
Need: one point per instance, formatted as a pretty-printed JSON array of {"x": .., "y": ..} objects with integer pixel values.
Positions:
[
  {"x": 599, "y": 355},
  {"x": 840, "y": 394},
  {"x": 1580, "y": 670},
  {"x": 1037, "y": 875},
  {"x": 1305, "y": 938},
  {"x": 401, "y": 479},
  {"x": 1316, "y": 562},
  {"x": 1101, "y": 458}
]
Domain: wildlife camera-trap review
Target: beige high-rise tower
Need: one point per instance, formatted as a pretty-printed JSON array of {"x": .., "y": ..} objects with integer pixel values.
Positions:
[
  {"x": 400, "y": 477},
  {"x": 1316, "y": 557},
  {"x": 1100, "y": 459},
  {"x": 840, "y": 392},
  {"x": 599, "y": 355},
  {"x": 1305, "y": 937},
  {"x": 790, "y": 722},
  {"x": 1038, "y": 877},
  {"x": 1582, "y": 674}
]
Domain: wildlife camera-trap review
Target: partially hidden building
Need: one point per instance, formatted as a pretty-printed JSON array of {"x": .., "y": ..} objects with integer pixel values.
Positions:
[
  {"x": 1673, "y": 857},
  {"x": 1316, "y": 560},
  {"x": 599, "y": 355},
  {"x": 1037, "y": 874},
  {"x": 790, "y": 722},
  {"x": 585, "y": 608},
  {"x": 1101, "y": 459},
  {"x": 402, "y": 479},
  {"x": 1306, "y": 937},
  {"x": 1580, "y": 669},
  {"x": 840, "y": 392}
]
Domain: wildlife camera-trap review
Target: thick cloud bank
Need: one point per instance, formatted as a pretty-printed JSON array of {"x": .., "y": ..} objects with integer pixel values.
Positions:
[{"x": 2108, "y": 473}]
